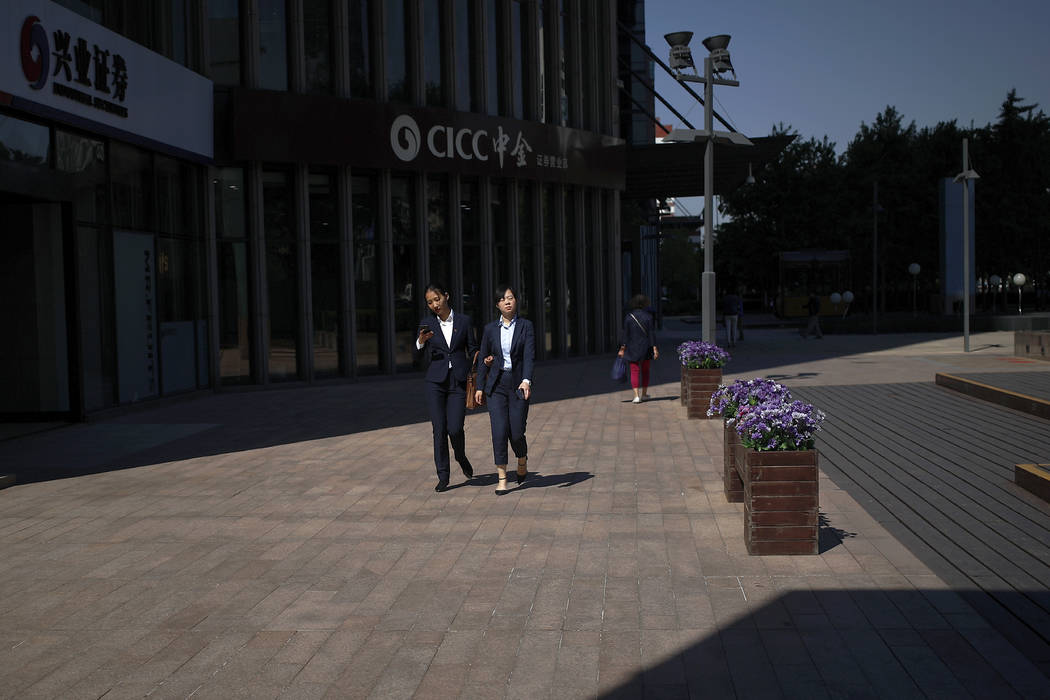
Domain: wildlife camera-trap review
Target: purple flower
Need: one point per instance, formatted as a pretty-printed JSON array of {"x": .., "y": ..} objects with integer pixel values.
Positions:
[
  {"x": 779, "y": 425},
  {"x": 696, "y": 354},
  {"x": 727, "y": 401}
]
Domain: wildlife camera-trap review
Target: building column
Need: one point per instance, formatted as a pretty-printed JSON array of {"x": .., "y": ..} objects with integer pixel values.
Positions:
[
  {"x": 258, "y": 303},
  {"x": 301, "y": 221},
  {"x": 347, "y": 301},
  {"x": 384, "y": 236},
  {"x": 211, "y": 276}
]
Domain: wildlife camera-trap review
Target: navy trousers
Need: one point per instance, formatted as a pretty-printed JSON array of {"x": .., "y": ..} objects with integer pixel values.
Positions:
[
  {"x": 507, "y": 415},
  {"x": 446, "y": 402}
]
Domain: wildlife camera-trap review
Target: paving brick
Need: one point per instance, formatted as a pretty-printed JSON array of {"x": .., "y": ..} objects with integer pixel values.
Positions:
[{"x": 307, "y": 558}]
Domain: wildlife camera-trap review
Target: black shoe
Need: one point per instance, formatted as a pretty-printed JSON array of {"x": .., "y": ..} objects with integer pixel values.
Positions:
[
  {"x": 441, "y": 486},
  {"x": 468, "y": 471}
]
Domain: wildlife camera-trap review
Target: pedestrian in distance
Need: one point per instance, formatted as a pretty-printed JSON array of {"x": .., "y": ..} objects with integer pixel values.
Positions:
[
  {"x": 813, "y": 325},
  {"x": 446, "y": 345},
  {"x": 638, "y": 345},
  {"x": 508, "y": 346},
  {"x": 731, "y": 316}
]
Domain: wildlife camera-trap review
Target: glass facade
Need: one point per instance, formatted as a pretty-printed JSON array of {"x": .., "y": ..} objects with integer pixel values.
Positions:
[
  {"x": 439, "y": 256},
  {"x": 326, "y": 307},
  {"x": 317, "y": 46},
  {"x": 366, "y": 271},
  {"x": 224, "y": 42},
  {"x": 273, "y": 45},
  {"x": 435, "y": 42},
  {"x": 468, "y": 96},
  {"x": 398, "y": 88},
  {"x": 282, "y": 275},
  {"x": 319, "y": 265},
  {"x": 231, "y": 230}
]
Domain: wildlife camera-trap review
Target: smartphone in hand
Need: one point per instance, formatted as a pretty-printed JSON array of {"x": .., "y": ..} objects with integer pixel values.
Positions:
[{"x": 521, "y": 393}]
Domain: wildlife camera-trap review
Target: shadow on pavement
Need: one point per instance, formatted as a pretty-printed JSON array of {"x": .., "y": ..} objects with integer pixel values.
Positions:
[{"x": 869, "y": 643}]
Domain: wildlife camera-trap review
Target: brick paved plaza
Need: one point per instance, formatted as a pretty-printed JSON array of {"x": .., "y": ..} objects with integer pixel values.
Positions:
[{"x": 288, "y": 543}]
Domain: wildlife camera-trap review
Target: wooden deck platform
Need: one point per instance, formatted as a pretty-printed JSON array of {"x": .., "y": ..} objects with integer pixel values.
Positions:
[{"x": 936, "y": 468}]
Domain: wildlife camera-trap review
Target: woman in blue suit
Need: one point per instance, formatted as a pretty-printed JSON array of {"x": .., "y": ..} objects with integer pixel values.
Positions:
[
  {"x": 505, "y": 377},
  {"x": 447, "y": 345}
]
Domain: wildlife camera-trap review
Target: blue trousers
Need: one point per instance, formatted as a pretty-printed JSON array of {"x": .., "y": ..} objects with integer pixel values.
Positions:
[
  {"x": 507, "y": 415},
  {"x": 446, "y": 402}
]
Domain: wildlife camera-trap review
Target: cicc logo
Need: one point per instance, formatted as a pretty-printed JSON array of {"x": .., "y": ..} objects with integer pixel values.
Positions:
[
  {"x": 404, "y": 137},
  {"x": 34, "y": 37}
]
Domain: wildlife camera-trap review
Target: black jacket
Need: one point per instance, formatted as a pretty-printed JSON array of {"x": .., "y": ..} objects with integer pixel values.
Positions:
[{"x": 436, "y": 354}]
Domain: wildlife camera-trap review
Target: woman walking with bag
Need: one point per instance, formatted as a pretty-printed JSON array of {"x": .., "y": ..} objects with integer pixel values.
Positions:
[
  {"x": 508, "y": 345},
  {"x": 638, "y": 345},
  {"x": 447, "y": 345}
]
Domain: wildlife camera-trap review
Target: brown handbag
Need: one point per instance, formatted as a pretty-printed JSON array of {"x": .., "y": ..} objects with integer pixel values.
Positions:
[{"x": 472, "y": 382}]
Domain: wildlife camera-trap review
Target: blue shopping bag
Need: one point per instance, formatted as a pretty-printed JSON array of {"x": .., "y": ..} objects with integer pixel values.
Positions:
[{"x": 619, "y": 370}]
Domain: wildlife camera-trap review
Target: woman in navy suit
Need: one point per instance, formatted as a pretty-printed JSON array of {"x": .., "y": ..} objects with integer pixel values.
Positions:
[
  {"x": 447, "y": 345},
  {"x": 505, "y": 377}
]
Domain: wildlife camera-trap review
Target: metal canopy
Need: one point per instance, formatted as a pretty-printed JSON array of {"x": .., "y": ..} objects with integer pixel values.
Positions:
[{"x": 656, "y": 171}]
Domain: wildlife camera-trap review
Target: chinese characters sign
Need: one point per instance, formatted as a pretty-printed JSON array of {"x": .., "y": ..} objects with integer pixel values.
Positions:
[{"x": 57, "y": 64}]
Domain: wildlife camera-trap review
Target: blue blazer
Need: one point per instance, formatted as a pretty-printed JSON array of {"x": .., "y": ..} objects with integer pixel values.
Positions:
[
  {"x": 436, "y": 353},
  {"x": 522, "y": 353}
]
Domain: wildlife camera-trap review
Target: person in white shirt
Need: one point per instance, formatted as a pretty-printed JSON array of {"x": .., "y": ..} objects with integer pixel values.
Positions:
[
  {"x": 508, "y": 345},
  {"x": 447, "y": 344}
]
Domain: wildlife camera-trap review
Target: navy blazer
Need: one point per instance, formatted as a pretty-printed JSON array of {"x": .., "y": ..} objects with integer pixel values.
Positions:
[
  {"x": 522, "y": 353},
  {"x": 638, "y": 339},
  {"x": 436, "y": 353}
]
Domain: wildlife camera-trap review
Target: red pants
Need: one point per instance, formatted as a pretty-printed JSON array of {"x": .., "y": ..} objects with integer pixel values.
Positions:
[{"x": 640, "y": 368}]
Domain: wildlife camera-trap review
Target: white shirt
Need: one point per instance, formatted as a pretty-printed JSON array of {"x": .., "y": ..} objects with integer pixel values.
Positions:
[
  {"x": 506, "y": 335},
  {"x": 446, "y": 330}
]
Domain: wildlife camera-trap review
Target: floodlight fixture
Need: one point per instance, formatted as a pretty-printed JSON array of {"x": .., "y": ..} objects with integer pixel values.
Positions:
[
  {"x": 717, "y": 45},
  {"x": 681, "y": 56}
]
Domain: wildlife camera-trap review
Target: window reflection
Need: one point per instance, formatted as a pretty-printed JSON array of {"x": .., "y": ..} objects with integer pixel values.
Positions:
[
  {"x": 273, "y": 45},
  {"x": 24, "y": 142},
  {"x": 467, "y": 93},
  {"x": 434, "y": 61},
  {"x": 324, "y": 277},
  {"x": 366, "y": 276},
  {"x": 440, "y": 253},
  {"x": 407, "y": 299},
  {"x": 85, "y": 160},
  {"x": 360, "y": 59},
  {"x": 396, "y": 51},
  {"x": 282, "y": 275},
  {"x": 224, "y": 42},
  {"x": 230, "y": 227},
  {"x": 470, "y": 224},
  {"x": 317, "y": 46}
]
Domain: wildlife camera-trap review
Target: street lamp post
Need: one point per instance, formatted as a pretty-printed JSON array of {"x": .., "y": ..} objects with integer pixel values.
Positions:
[
  {"x": 716, "y": 63},
  {"x": 964, "y": 177},
  {"x": 1019, "y": 280},
  {"x": 913, "y": 269}
]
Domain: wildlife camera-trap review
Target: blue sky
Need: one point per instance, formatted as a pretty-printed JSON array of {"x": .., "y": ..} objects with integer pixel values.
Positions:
[{"x": 825, "y": 66}]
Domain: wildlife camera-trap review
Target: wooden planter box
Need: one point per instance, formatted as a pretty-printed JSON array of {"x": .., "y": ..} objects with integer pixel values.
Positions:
[
  {"x": 733, "y": 485},
  {"x": 780, "y": 500},
  {"x": 697, "y": 387}
]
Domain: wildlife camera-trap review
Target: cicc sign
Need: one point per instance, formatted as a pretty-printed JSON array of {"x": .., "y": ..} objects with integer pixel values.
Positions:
[{"x": 444, "y": 141}]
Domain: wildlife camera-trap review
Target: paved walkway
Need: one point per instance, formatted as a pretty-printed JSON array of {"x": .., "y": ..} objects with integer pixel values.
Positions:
[{"x": 288, "y": 543}]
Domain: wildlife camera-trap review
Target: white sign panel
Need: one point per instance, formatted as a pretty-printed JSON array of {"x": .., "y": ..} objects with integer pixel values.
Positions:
[{"x": 52, "y": 58}]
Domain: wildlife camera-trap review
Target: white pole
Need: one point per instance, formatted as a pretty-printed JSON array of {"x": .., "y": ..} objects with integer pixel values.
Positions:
[
  {"x": 875, "y": 257},
  {"x": 966, "y": 248},
  {"x": 708, "y": 279}
]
